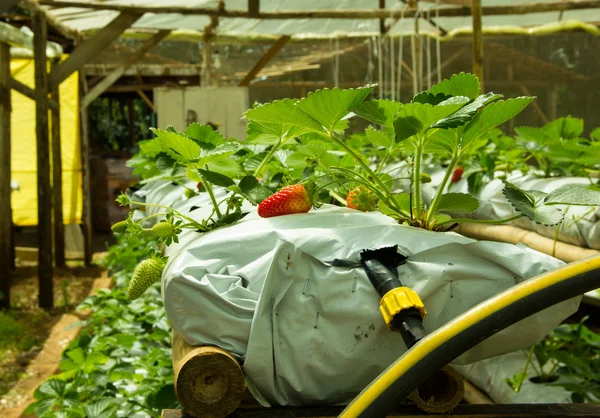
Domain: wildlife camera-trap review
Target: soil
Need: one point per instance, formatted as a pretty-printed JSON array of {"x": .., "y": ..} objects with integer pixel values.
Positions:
[{"x": 24, "y": 328}]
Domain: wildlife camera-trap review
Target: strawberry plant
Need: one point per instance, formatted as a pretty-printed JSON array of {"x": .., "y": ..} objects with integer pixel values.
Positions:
[{"x": 301, "y": 151}]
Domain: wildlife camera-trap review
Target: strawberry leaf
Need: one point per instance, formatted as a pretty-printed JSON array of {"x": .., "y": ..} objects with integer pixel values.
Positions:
[
  {"x": 329, "y": 107},
  {"x": 253, "y": 190},
  {"x": 281, "y": 112},
  {"x": 573, "y": 195},
  {"x": 462, "y": 84},
  {"x": 217, "y": 179},
  {"x": 381, "y": 112},
  {"x": 179, "y": 147},
  {"x": 378, "y": 137},
  {"x": 415, "y": 118},
  {"x": 493, "y": 115},
  {"x": 204, "y": 135},
  {"x": 467, "y": 112},
  {"x": 531, "y": 204},
  {"x": 458, "y": 202}
]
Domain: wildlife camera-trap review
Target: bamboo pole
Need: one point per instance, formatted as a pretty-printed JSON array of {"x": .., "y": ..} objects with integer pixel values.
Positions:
[
  {"x": 85, "y": 171},
  {"x": 516, "y": 9},
  {"x": 44, "y": 194},
  {"x": 6, "y": 242},
  {"x": 477, "y": 41}
]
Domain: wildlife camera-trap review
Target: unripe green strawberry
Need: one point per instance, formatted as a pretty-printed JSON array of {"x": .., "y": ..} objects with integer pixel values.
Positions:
[
  {"x": 119, "y": 227},
  {"x": 289, "y": 200},
  {"x": 425, "y": 178},
  {"x": 163, "y": 229},
  {"x": 145, "y": 275},
  {"x": 189, "y": 193},
  {"x": 361, "y": 198}
]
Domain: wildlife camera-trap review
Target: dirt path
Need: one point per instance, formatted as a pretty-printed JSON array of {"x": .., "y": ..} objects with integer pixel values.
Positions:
[{"x": 45, "y": 364}]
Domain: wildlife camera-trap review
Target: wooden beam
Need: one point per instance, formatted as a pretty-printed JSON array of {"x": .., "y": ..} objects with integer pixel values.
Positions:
[
  {"x": 86, "y": 218},
  {"x": 275, "y": 48},
  {"x": 516, "y": 9},
  {"x": 44, "y": 191},
  {"x": 129, "y": 61},
  {"x": 29, "y": 92},
  {"x": 6, "y": 232},
  {"x": 253, "y": 7},
  {"x": 15, "y": 37},
  {"x": 535, "y": 104},
  {"x": 477, "y": 41},
  {"x": 92, "y": 47},
  {"x": 59, "y": 228},
  {"x": 146, "y": 99},
  {"x": 61, "y": 28}
]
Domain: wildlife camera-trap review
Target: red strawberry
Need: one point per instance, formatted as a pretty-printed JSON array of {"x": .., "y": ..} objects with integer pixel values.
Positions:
[
  {"x": 457, "y": 174},
  {"x": 290, "y": 199},
  {"x": 199, "y": 186},
  {"x": 361, "y": 199}
]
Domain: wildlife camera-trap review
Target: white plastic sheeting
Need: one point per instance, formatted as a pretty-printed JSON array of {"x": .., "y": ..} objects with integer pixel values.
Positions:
[
  {"x": 581, "y": 225},
  {"x": 307, "y": 332}
]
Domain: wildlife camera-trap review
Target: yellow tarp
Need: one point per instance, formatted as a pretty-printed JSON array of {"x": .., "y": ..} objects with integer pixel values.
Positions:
[{"x": 23, "y": 148}]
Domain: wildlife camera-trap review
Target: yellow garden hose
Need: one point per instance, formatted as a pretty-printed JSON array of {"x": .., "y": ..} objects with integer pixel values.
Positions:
[{"x": 467, "y": 330}]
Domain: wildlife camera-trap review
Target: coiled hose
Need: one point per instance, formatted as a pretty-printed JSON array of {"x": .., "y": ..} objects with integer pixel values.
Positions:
[{"x": 469, "y": 329}]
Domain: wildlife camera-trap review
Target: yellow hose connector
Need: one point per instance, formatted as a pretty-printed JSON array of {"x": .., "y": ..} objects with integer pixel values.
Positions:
[{"x": 397, "y": 300}]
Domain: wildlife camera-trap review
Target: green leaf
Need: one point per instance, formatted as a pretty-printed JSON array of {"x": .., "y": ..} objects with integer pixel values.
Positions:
[
  {"x": 269, "y": 133},
  {"x": 150, "y": 147},
  {"x": 76, "y": 355},
  {"x": 177, "y": 146},
  {"x": 224, "y": 165},
  {"x": 102, "y": 408},
  {"x": 253, "y": 162},
  {"x": 595, "y": 134},
  {"x": 492, "y": 116},
  {"x": 330, "y": 106},
  {"x": 467, "y": 112},
  {"x": 537, "y": 135},
  {"x": 443, "y": 142},
  {"x": 283, "y": 112},
  {"x": 564, "y": 128},
  {"x": 530, "y": 203},
  {"x": 216, "y": 178},
  {"x": 415, "y": 118},
  {"x": 381, "y": 112},
  {"x": 573, "y": 195},
  {"x": 462, "y": 84},
  {"x": 378, "y": 137},
  {"x": 204, "y": 134},
  {"x": 402, "y": 200},
  {"x": 192, "y": 174},
  {"x": 52, "y": 388},
  {"x": 253, "y": 190},
  {"x": 458, "y": 202},
  {"x": 430, "y": 98},
  {"x": 163, "y": 399}
]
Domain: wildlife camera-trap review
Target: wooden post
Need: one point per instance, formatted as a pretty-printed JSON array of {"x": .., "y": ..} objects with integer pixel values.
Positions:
[
  {"x": 85, "y": 174},
  {"x": 476, "y": 13},
  {"x": 59, "y": 229},
  {"x": 253, "y": 7},
  {"x": 209, "y": 382},
  {"x": 45, "y": 268},
  {"x": 6, "y": 242},
  {"x": 264, "y": 60}
]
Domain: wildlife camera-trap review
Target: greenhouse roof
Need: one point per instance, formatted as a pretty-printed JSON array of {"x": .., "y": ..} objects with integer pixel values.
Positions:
[{"x": 326, "y": 18}]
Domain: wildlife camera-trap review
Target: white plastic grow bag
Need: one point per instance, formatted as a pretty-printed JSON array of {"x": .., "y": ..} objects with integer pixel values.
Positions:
[
  {"x": 581, "y": 225},
  {"x": 306, "y": 332},
  {"x": 490, "y": 376}
]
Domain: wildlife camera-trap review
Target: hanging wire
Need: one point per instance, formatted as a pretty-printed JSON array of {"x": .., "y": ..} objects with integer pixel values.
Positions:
[
  {"x": 429, "y": 53},
  {"x": 400, "y": 57},
  {"x": 392, "y": 69},
  {"x": 336, "y": 63},
  {"x": 370, "y": 65},
  {"x": 380, "y": 65},
  {"x": 415, "y": 54},
  {"x": 437, "y": 44}
]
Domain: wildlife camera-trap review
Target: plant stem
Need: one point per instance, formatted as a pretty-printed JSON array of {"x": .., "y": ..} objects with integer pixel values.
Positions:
[
  {"x": 525, "y": 369},
  {"x": 156, "y": 205},
  {"x": 417, "y": 178},
  {"x": 481, "y": 221},
  {"x": 267, "y": 158},
  {"x": 338, "y": 197},
  {"x": 211, "y": 194},
  {"x": 438, "y": 195},
  {"x": 151, "y": 216}
]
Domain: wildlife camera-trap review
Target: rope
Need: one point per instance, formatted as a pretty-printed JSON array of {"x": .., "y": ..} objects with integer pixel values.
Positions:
[
  {"x": 429, "y": 53},
  {"x": 380, "y": 65},
  {"x": 400, "y": 57},
  {"x": 437, "y": 44}
]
